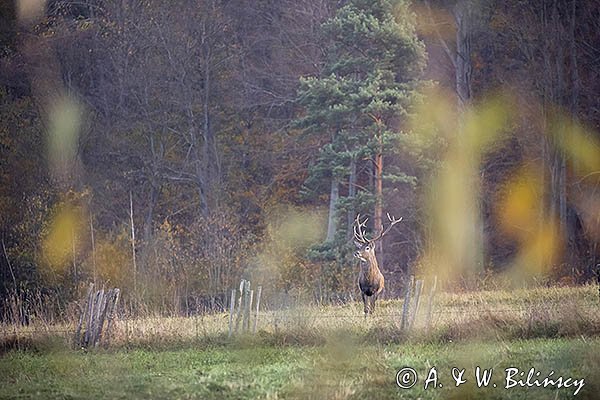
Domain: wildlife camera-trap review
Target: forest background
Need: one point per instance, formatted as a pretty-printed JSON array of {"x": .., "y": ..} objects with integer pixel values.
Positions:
[{"x": 172, "y": 148}]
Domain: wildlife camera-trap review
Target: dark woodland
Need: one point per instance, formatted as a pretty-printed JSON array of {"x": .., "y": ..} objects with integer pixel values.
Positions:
[{"x": 171, "y": 149}]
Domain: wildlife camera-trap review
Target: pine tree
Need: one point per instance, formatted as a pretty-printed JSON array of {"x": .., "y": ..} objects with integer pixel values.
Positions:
[{"x": 357, "y": 105}]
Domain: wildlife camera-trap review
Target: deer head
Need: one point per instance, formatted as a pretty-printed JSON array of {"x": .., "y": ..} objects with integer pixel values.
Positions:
[{"x": 366, "y": 247}]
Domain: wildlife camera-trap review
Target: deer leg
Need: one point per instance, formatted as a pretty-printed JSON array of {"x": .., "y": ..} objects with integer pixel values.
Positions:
[
  {"x": 366, "y": 303},
  {"x": 373, "y": 298}
]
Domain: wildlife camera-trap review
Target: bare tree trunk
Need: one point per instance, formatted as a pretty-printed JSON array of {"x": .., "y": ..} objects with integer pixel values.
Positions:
[
  {"x": 74, "y": 257},
  {"x": 574, "y": 105},
  {"x": 554, "y": 69},
  {"x": 333, "y": 200},
  {"x": 200, "y": 183},
  {"x": 575, "y": 81},
  {"x": 211, "y": 162},
  {"x": 560, "y": 165},
  {"x": 351, "y": 196},
  {"x": 199, "y": 171},
  {"x": 379, "y": 198},
  {"x": 207, "y": 129},
  {"x": 93, "y": 249},
  {"x": 463, "y": 65},
  {"x": 158, "y": 153},
  {"x": 133, "y": 243},
  {"x": 464, "y": 14},
  {"x": 150, "y": 213}
]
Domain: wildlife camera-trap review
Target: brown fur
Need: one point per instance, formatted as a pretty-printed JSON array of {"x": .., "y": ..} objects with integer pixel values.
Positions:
[{"x": 370, "y": 278}]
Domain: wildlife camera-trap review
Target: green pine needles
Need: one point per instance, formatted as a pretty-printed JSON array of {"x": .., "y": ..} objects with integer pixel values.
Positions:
[{"x": 356, "y": 109}]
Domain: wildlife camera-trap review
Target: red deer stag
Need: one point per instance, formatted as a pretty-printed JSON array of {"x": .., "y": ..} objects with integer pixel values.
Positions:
[{"x": 370, "y": 279}]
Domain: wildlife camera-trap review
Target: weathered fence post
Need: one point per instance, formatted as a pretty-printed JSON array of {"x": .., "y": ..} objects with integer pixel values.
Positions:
[
  {"x": 258, "y": 293},
  {"x": 231, "y": 311},
  {"x": 100, "y": 307},
  {"x": 247, "y": 307},
  {"x": 112, "y": 308},
  {"x": 405, "y": 306},
  {"x": 89, "y": 310},
  {"x": 238, "y": 317},
  {"x": 83, "y": 315},
  {"x": 243, "y": 314},
  {"x": 99, "y": 317},
  {"x": 417, "y": 302},
  {"x": 430, "y": 301}
]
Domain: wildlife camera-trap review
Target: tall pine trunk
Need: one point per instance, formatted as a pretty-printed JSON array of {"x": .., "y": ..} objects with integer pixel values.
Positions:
[
  {"x": 464, "y": 14},
  {"x": 333, "y": 200},
  {"x": 379, "y": 196},
  {"x": 351, "y": 197}
]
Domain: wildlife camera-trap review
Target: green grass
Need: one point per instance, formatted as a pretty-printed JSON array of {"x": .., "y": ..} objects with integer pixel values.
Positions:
[
  {"x": 311, "y": 352},
  {"x": 339, "y": 369}
]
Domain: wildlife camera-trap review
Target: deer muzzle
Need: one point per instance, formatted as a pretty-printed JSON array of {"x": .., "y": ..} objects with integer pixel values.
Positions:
[{"x": 358, "y": 255}]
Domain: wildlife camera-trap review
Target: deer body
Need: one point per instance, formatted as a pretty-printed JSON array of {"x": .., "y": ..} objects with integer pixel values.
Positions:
[
  {"x": 370, "y": 282},
  {"x": 370, "y": 278}
]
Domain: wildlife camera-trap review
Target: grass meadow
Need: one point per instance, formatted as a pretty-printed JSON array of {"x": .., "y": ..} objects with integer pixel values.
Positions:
[{"x": 330, "y": 352}]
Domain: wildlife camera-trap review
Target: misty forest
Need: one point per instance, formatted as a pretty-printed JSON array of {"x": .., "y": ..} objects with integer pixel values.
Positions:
[{"x": 170, "y": 149}]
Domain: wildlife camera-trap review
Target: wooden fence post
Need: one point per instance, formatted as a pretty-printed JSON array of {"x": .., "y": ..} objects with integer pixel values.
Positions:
[
  {"x": 258, "y": 293},
  {"x": 231, "y": 311},
  {"x": 100, "y": 307},
  {"x": 111, "y": 308},
  {"x": 83, "y": 316},
  {"x": 244, "y": 308},
  {"x": 430, "y": 301},
  {"x": 248, "y": 310},
  {"x": 238, "y": 317},
  {"x": 405, "y": 306},
  {"x": 417, "y": 302},
  {"x": 97, "y": 323},
  {"x": 89, "y": 309}
]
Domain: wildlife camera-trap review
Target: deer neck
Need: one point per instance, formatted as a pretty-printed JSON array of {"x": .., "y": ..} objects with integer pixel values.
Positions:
[{"x": 370, "y": 267}]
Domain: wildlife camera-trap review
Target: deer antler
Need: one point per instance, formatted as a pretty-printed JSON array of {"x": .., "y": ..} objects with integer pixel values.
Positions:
[
  {"x": 358, "y": 226},
  {"x": 393, "y": 221}
]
